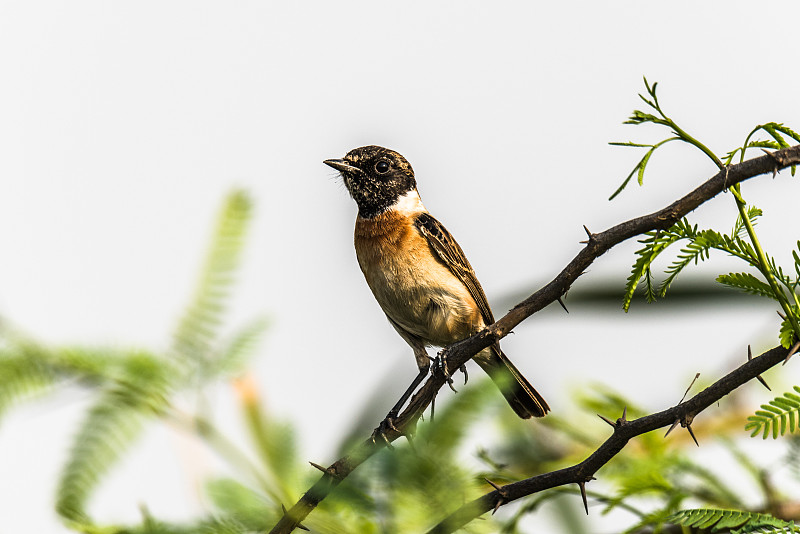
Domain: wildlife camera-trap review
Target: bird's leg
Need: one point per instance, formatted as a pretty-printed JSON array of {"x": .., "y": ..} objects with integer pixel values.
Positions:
[
  {"x": 423, "y": 363},
  {"x": 423, "y": 372}
]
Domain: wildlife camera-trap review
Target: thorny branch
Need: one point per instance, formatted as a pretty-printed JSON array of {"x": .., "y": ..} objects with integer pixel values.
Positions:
[
  {"x": 624, "y": 430},
  {"x": 459, "y": 353}
]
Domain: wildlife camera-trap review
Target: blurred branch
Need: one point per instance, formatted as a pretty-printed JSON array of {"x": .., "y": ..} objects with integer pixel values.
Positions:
[
  {"x": 458, "y": 354},
  {"x": 581, "y": 473}
]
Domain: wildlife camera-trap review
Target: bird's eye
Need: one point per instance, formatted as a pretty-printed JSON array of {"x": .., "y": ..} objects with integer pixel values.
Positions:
[{"x": 382, "y": 167}]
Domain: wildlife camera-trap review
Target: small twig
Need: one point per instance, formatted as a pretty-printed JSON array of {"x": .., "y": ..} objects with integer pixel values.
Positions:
[{"x": 690, "y": 387}]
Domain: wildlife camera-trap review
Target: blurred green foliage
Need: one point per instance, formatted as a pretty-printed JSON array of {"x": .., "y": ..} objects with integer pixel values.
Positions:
[{"x": 408, "y": 489}]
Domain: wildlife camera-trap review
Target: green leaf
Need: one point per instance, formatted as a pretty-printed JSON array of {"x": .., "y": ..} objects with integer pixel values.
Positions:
[
  {"x": 748, "y": 283},
  {"x": 741, "y": 521},
  {"x": 640, "y": 167},
  {"x": 654, "y": 244},
  {"x": 629, "y": 143},
  {"x": 739, "y": 229},
  {"x": 796, "y": 258},
  {"x": 198, "y": 329},
  {"x": 775, "y": 129},
  {"x": 776, "y": 417},
  {"x": 235, "y": 351},
  {"x": 787, "y": 335},
  {"x": 235, "y": 500},
  {"x": 643, "y": 164},
  {"x": 110, "y": 427},
  {"x": 697, "y": 250},
  {"x": 22, "y": 377}
]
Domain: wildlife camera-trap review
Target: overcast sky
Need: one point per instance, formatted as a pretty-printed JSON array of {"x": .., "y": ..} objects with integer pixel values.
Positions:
[{"x": 124, "y": 124}]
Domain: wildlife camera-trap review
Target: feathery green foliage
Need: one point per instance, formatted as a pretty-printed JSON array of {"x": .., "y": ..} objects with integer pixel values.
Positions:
[
  {"x": 700, "y": 244},
  {"x": 660, "y": 118},
  {"x": 198, "y": 330},
  {"x": 741, "y": 243},
  {"x": 410, "y": 488},
  {"x": 780, "y": 415},
  {"x": 735, "y": 521},
  {"x": 117, "y": 417},
  {"x": 23, "y": 378},
  {"x": 774, "y": 130},
  {"x": 142, "y": 391}
]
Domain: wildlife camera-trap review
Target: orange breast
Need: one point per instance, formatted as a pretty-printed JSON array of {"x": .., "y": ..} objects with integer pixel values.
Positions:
[{"x": 411, "y": 285}]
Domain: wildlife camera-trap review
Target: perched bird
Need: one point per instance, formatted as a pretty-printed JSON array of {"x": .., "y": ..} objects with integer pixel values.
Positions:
[{"x": 419, "y": 274}]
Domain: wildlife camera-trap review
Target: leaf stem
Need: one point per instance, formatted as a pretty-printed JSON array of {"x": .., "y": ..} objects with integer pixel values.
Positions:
[
  {"x": 217, "y": 441},
  {"x": 691, "y": 140},
  {"x": 764, "y": 267}
]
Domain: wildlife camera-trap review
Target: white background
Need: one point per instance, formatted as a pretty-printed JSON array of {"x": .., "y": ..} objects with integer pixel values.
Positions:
[{"x": 123, "y": 125}]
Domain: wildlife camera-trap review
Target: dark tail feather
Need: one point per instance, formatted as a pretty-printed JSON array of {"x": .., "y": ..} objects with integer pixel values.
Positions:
[{"x": 518, "y": 392}]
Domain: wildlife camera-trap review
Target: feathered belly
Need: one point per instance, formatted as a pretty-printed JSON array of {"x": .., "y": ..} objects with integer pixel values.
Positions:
[{"x": 414, "y": 288}]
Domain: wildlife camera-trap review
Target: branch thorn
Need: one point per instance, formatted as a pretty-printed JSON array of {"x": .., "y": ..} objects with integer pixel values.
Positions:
[
  {"x": 607, "y": 420},
  {"x": 782, "y": 316},
  {"x": 495, "y": 486},
  {"x": 624, "y": 418},
  {"x": 497, "y": 506},
  {"x": 500, "y": 491},
  {"x": 759, "y": 377},
  {"x": 562, "y": 304},
  {"x": 676, "y": 423},
  {"x": 763, "y": 382},
  {"x": 317, "y": 466},
  {"x": 774, "y": 158},
  {"x": 298, "y": 525},
  {"x": 588, "y": 233},
  {"x": 582, "y": 486},
  {"x": 792, "y": 352},
  {"x": 691, "y": 433}
]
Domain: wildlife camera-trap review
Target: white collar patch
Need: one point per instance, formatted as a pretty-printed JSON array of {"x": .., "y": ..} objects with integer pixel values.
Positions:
[{"x": 408, "y": 204}]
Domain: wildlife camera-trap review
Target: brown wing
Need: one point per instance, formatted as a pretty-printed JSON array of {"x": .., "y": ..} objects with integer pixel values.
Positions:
[
  {"x": 519, "y": 393},
  {"x": 446, "y": 248}
]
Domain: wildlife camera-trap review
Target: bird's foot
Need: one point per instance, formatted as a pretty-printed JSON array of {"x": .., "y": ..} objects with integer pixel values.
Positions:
[
  {"x": 384, "y": 427},
  {"x": 440, "y": 364}
]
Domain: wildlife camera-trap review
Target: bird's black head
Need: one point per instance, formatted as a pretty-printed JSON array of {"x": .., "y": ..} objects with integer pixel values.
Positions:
[{"x": 376, "y": 177}]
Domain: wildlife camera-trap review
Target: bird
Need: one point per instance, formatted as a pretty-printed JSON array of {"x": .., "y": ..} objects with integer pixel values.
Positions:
[{"x": 419, "y": 274}]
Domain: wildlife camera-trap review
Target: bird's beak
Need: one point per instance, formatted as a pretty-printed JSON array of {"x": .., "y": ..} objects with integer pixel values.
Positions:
[{"x": 341, "y": 166}]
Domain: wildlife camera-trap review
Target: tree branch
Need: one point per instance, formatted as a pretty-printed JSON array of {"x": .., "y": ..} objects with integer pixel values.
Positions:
[
  {"x": 459, "y": 353},
  {"x": 683, "y": 414}
]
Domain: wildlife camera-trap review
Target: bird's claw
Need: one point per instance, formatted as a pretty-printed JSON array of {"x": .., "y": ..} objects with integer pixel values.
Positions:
[
  {"x": 387, "y": 425},
  {"x": 440, "y": 364}
]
